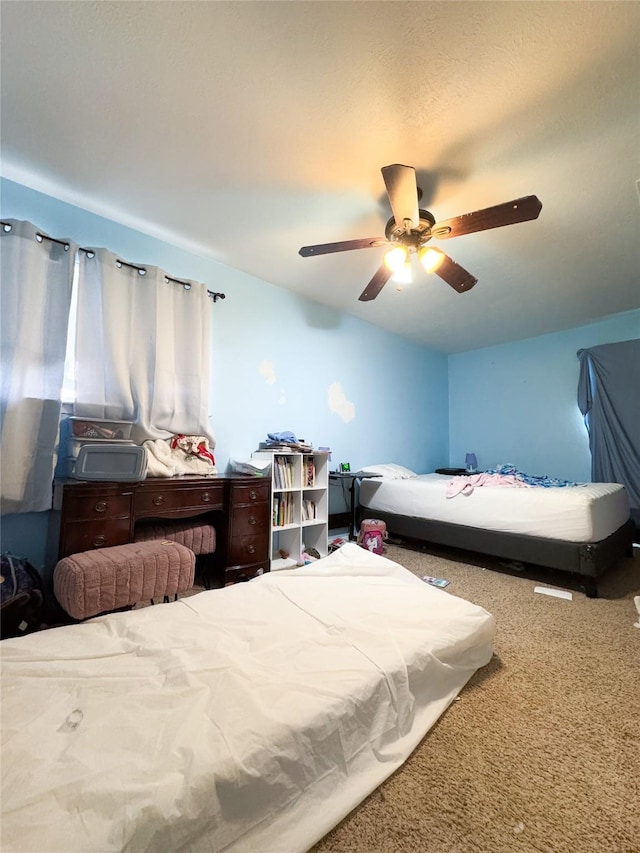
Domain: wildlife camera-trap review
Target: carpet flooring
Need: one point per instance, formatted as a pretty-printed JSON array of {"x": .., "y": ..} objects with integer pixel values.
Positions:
[{"x": 540, "y": 753}]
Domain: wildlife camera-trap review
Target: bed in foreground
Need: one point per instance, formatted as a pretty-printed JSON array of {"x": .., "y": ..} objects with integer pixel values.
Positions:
[
  {"x": 583, "y": 529},
  {"x": 252, "y": 718}
]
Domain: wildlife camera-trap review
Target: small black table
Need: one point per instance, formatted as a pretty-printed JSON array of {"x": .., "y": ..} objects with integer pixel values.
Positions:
[{"x": 351, "y": 477}]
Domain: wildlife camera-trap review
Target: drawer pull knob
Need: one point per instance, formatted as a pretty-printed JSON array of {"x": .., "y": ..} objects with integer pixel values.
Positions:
[
  {"x": 253, "y": 495},
  {"x": 158, "y": 500},
  {"x": 252, "y": 520},
  {"x": 101, "y": 506},
  {"x": 206, "y": 497},
  {"x": 251, "y": 549},
  {"x": 99, "y": 541}
]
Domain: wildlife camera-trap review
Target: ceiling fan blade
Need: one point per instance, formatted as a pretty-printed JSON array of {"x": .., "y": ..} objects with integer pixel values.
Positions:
[
  {"x": 455, "y": 275},
  {"x": 400, "y": 182},
  {"x": 376, "y": 284},
  {"x": 344, "y": 246},
  {"x": 518, "y": 210}
]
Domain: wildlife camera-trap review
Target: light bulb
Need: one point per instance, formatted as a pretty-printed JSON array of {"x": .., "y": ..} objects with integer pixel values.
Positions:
[
  {"x": 395, "y": 258},
  {"x": 430, "y": 259},
  {"x": 403, "y": 275}
]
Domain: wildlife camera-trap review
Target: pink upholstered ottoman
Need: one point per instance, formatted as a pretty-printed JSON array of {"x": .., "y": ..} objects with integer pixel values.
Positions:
[
  {"x": 197, "y": 536},
  {"x": 93, "y": 582}
]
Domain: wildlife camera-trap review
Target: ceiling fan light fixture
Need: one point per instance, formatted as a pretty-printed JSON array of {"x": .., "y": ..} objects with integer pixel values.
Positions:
[
  {"x": 395, "y": 258},
  {"x": 411, "y": 227},
  {"x": 430, "y": 259},
  {"x": 403, "y": 275}
]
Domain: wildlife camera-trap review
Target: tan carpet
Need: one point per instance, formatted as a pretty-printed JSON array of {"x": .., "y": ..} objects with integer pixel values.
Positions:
[{"x": 541, "y": 751}]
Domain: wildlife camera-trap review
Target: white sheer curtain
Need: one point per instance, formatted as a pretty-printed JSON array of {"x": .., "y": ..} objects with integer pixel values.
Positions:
[
  {"x": 37, "y": 276},
  {"x": 142, "y": 348}
]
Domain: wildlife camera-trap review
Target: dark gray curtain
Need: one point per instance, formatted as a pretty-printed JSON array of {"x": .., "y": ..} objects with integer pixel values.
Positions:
[{"x": 609, "y": 399}]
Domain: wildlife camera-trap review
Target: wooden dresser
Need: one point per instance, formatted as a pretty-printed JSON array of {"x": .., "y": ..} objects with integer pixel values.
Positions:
[{"x": 90, "y": 515}]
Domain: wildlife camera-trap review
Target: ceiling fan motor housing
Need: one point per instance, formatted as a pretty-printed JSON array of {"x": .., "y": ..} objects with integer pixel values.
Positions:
[{"x": 416, "y": 237}]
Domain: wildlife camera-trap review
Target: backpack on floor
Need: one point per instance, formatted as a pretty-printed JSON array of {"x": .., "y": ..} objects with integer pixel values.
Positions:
[
  {"x": 372, "y": 535},
  {"x": 21, "y": 597}
]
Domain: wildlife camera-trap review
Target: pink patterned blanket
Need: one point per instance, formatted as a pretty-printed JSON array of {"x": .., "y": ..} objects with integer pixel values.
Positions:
[{"x": 466, "y": 485}]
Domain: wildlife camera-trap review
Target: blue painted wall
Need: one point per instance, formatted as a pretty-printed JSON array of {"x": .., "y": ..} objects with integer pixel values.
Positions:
[
  {"x": 278, "y": 363},
  {"x": 518, "y": 402}
]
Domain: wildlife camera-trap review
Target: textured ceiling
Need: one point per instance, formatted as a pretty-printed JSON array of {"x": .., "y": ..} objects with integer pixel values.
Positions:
[{"x": 245, "y": 130}]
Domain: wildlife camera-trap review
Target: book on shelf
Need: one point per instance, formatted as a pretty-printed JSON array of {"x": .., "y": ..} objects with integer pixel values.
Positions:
[
  {"x": 308, "y": 510},
  {"x": 283, "y": 475},
  {"x": 282, "y": 510},
  {"x": 309, "y": 471}
]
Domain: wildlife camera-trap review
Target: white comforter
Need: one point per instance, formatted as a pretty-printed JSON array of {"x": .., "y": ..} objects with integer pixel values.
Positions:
[
  {"x": 588, "y": 513},
  {"x": 252, "y": 718}
]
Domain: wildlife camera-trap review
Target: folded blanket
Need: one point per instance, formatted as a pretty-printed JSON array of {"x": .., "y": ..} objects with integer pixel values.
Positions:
[{"x": 181, "y": 454}]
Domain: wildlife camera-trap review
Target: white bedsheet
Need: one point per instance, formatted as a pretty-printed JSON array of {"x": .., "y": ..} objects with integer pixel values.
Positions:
[
  {"x": 249, "y": 719},
  {"x": 586, "y": 513}
]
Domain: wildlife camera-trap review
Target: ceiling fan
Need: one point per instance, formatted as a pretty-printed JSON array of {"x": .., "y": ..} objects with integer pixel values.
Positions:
[{"x": 411, "y": 228}]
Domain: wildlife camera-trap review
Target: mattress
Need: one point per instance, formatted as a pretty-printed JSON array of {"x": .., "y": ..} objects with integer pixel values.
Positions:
[
  {"x": 251, "y": 718},
  {"x": 588, "y": 512}
]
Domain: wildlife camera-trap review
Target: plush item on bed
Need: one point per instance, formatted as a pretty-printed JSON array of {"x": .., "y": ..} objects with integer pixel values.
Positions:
[
  {"x": 199, "y": 538},
  {"x": 390, "y": 471},
  {"x": 105, "y": 579}
]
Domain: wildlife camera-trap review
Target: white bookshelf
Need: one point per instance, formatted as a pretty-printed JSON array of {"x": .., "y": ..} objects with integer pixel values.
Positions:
[{"x": 300, "y": 505}]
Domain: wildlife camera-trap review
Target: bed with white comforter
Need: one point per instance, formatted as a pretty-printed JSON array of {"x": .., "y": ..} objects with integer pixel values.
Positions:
[
  {"x": 583, "y": 528},
  {"x": 251, "y": 718}
]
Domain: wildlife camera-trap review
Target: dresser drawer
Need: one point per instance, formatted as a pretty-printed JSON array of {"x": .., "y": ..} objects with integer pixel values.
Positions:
[
  {"x": 248, "y": 520},
  {"x": 159, "y": 500},
  {"x": 245, "y": 573},
  {"x": 93, "y": 507},
  {"x": 250, "y": 493},
  {"x": 248, "y": 549},
  {"x": 87, "y": 535}
]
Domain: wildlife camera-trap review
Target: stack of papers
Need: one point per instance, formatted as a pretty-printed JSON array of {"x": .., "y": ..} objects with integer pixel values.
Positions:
[{"x": 255, "y": 467}]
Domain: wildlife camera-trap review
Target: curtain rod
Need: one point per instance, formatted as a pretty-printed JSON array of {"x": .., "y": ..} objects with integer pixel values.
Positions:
[{"x": 187, "y": 286}]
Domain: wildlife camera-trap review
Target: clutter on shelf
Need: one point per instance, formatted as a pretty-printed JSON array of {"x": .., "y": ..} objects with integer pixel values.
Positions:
[{"x": 283, "y": 441}]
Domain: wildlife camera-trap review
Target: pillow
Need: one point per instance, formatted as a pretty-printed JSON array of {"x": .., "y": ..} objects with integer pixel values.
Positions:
[{"x": 390, "y": 471}]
